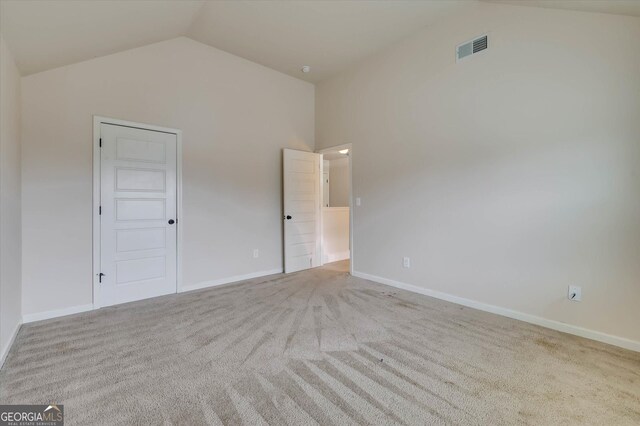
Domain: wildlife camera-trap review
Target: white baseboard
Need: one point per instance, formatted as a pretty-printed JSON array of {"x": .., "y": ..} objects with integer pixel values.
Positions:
[
  {"x": 336, "y": 257},
  {"x": 228, "y": 280},
  {"x": 7, "y": 347},
  {"x": 89, "y": 307},
  {"x": 544, "y": 322},
  {"x": 56, "y": 313}
]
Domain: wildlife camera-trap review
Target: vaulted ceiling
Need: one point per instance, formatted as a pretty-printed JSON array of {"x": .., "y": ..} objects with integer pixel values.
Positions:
[
  {"x": 46, "y": 34},
  {"x": 284, "y": 35},
  {"x": 616, "y": 7}
]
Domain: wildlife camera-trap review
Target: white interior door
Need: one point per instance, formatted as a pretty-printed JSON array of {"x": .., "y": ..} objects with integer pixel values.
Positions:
[
  {"x": 138, "y": 231},
  {"x": 301, "y": 210}
]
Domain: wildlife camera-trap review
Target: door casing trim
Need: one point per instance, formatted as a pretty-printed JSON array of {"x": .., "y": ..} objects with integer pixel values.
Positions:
[{"x": 97, "y": 121}]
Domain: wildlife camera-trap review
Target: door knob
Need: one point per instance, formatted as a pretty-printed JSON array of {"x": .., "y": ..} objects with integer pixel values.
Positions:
[
  {"x": 288, "y": 217},
  {"x": 171, "y": 221}
]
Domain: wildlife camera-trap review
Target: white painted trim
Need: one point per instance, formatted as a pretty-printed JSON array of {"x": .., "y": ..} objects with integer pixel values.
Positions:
[
  {"x": 532, "y": 319},
  {"x": 85, "y": 308},
  {"x": 321, "y": 207},
  {"x": 97, "y": 120},
  {"x": 144, "y": 126},
  {"x": 229, "y": 280},
  {"x": 7, "y": 347},
  {"x": 56, "y": 313},
  {"x": 95, "y": 264},
  {"x": 179, "y": 215},
  {"x": 348, "y": 146}
]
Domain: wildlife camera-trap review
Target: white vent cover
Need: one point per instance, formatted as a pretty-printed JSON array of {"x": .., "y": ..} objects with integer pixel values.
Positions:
[{"x": 474, "y": 46}]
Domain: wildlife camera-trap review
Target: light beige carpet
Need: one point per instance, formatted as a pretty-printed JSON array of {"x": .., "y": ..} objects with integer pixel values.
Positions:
[{"x": 316, "y": 347}]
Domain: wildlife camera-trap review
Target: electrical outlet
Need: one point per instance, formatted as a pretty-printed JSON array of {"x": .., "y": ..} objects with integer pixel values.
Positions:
[
  {"x": 256, "y": 253},
  {"x": 358, "y": 201},
  {"x": 575, "y": 293},
  {"x": 406, "y": 262}
]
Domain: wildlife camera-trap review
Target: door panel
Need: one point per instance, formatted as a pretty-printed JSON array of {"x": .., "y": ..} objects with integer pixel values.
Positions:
[
  {"x": 135, "y": 270},
  {"x": 301, "y": 174},
  {"x": 140, "y": 239},
  {"x": 140, "y": 180},
  {"x": 127, "y": 210},
  {"x": 138, "y": 190},
  {"x": 144, "y": 151}
]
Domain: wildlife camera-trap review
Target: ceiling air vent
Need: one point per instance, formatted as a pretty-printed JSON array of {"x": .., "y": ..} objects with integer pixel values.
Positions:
[{"x": 474, "y": 46}]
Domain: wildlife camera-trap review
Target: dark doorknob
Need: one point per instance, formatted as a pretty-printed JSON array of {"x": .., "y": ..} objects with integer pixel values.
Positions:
[
  {"x": 171, "y": 221},
  {"x": 288, "y": 217}
]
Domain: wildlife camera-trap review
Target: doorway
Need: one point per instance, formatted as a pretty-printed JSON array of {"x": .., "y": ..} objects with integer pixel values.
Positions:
[
  {"x": 336, "y": 212},
  {"x": 317, "y": 209},
  {"x": 136, "y": 190}
]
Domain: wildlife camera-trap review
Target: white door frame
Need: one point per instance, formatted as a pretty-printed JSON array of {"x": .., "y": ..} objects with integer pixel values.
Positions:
[
  {"x": 333, "y": 149},
  {"x": 97, "y": 121}
]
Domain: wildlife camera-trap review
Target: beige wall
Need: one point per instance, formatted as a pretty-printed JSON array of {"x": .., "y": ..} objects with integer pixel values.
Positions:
[
  {"x": 10, "y": 239},
  {"x": 339, "y": 182},
  {"x": 335, "y": 234},
  {"x": 505, "y": 177},
  {"x": 235, "y": 115}
]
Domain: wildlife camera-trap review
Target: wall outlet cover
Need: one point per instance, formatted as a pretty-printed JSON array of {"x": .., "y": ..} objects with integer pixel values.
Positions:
[{"x": 574, "y": 293}]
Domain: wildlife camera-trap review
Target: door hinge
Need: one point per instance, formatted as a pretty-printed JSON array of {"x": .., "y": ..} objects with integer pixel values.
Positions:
[
  {"x": 100, "y": 275},
  {"x": 100, "y": 142},
  {"x": 99, "y": 210}
]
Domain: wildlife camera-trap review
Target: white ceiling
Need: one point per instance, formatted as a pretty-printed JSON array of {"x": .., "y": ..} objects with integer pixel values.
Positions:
[
  {"x": 326, "y": 35},
  {"x": 51, "y": 33},
  {"x": 284, "y": 35}
]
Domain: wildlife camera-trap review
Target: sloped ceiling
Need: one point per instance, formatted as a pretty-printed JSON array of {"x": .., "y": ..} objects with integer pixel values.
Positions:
[
  {"x": 51, "y": 33},
  {"x": 616, "y": 7},
  {"x": 326, "y": 35},
  {"x": 284, "y": 35}
]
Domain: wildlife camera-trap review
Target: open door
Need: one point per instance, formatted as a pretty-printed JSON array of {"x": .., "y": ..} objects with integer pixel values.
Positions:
[{"x": 301, "y": 174}]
